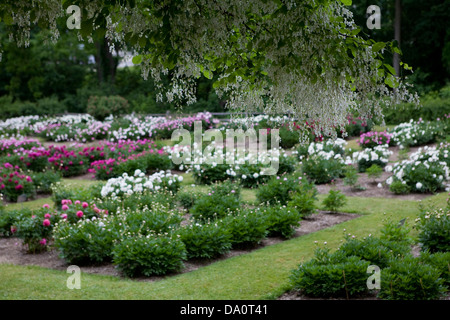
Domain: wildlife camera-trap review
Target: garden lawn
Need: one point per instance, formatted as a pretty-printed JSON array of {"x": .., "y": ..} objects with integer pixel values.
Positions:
[{"x": 261, "y": 274}]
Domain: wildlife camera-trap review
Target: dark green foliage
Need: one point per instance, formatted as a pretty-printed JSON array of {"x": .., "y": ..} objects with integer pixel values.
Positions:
[
  {"x": 331, "y": 276},
  {"x": 440, "y": 261},
  {"x": 281, "y": 220},
  {"x": 434, "y": 230},
  {"x": 321, "y": 170},
  {"x": 221, "y": 200},
  {"x": 304, "y": 199},
  {"x": 409, "y": 279},
  {"x": 101, "y": 107},
  {"x": 279, "y": 189},
  {"x": 334, "y": 200},
  {"x": 247, "y": 227},
  {"x": 158, "y": 219},
  {"x": 43, "y": 180},
  {"x": 9, "y": 220},
  {"x": 398, "y": 187},
  {"x": 375, "y": 250},
  {"x": 205, "y": 241},
  {"x": 87, "y": 242},
  {"x": 147, "y": 256}
]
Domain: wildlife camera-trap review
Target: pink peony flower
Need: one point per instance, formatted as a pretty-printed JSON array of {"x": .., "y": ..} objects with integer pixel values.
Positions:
[
  {"x": 46, "y": 223},
  {"x": 43, "y": 241},
  {"x": 65, "y": 207},
  {"x": 47, "y": 215},
  {"x": 79, "y": 214},
  {"x": 64, "y": 216},
  {"x": 85, "y": 205},
  {"x": 64, "y": 201},
  {"x": 77, "y": 202},
  {"x": 46, "y": 206}
]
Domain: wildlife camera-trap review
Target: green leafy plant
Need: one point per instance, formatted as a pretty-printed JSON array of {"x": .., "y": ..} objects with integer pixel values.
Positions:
[
  {"x": 205, "y": 241},
  {"x": 36, "y": 230},
  {"x": 331, "y": 275},
  {"x": 409, "y": 279},
  {"x": 43, "y": 180},
  {"x": 221, "y": 200},
  {"x": 334, "y": 200},
  {"x": 281, "y": 220},
  {"x": 89, "y": 241},
  {"x": 304, "y": 199},
  {"x": 433, "y": 227},
  {"x": 374, "y": 172},
  {"x": 398, "y": 187},
  {"x": 102, "y": 106},
  {"x": 149, "y": 255},
  {"x": 247, "y": 227},
  {"x": 351, "y": 178},
  {"x": 279, "y": 189}
]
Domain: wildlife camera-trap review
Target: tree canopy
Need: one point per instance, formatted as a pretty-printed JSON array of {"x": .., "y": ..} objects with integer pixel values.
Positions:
[{"x": 304, "y": 58}]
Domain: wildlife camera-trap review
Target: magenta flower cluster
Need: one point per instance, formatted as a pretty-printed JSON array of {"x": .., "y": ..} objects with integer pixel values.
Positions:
[{"x": 373, "y": 138}]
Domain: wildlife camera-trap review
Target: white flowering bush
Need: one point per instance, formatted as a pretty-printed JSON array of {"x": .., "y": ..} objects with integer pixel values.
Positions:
[
  {"x": 423, "y": 172},
  {"x": 139, "y": 182},
  {"x": 378, "y": 155},
  {"x": 325, "y": 161},
  {"x": 414, "y": 133}
]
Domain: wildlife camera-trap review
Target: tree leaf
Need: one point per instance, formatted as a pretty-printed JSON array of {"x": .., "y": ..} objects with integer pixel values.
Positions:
[{"x": 137, "y": 59}]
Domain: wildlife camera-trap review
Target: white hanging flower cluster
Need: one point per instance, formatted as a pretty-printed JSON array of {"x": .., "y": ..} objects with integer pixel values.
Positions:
[{"x": 274, "y": 57}]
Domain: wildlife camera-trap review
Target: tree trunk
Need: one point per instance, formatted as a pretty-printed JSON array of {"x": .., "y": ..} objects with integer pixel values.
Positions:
[{"x": 397, "y": 35}]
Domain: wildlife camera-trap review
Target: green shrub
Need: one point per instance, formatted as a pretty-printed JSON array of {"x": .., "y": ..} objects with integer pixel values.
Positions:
[
  {"x": 36, "y": 230},
  {"x": 351, "y": 178},
  {"x": 289, "y": 137},
  {"x": 281, "y": 220},
  {"x": 101, "y": 107},
  {"x": 88, "y": 241},
  {"x": 157, "y": 162},
  {"x": 187, "y": 198},
  {"x": 9, "y": 220},
  {"x": 398, "y": 187},
  {"x": 396, "y": 231},
  {"x": 322, "y": 170},
  {"x": 221, "y": 200},
  {"x": 334, "y": 200},
  {"x": 43, "y": 180},
  {"x": 434, "y": 226},
  {"x": 279, "y": 189},
  {"x": 331, "y": 276},
  {"x": 374, "y": 172},
  {"x": 15, "y": 183},
  {"x": 409, "y": 279},
  {"x": 149, "y": 255},
  {"x": 440, "y": 261},
  {"x": 158, "y": 219},
  {"x": 205, "y": 241},
  {"x": 137, "y": 201},
  {"x": 374, "y": 250},
  {"x": 247, "y": 227},
  {"x": 304, "y": 199},
  {"x": 73, "y": 192}
]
